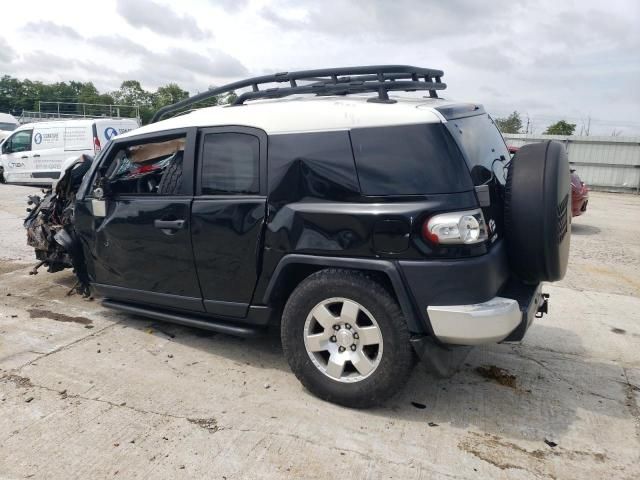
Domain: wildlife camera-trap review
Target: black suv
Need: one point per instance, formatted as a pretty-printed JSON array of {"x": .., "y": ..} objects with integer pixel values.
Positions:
[{"x": 367, "y": 226}]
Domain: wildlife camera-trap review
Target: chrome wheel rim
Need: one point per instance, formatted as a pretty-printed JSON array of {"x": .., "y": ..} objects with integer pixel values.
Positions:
[{"x": 343, "y": 340}]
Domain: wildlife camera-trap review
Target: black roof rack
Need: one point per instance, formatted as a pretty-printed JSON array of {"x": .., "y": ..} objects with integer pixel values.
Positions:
[{"x": 327, "y": 81}]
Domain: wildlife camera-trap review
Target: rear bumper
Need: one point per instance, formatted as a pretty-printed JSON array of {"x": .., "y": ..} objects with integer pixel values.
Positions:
[
  {"x": 487, "y": 322},
  {"x": 471, "y": 301}
]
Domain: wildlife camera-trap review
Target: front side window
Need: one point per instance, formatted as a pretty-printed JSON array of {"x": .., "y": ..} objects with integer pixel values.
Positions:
[
  {"x": 230, "y": 163},
  {"x": 154, "y": 167},
  {"x": 19, "y": 142}
]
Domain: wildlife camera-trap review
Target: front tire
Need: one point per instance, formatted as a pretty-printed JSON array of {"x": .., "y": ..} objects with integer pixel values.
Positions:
[{"x": 346, "y": 339}]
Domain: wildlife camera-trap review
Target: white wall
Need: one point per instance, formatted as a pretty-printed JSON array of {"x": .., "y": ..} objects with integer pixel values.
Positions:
[{"x": 601, "y": 162}]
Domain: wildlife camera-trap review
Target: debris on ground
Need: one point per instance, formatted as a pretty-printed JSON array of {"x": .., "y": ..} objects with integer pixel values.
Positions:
[
  {"x": 210, "y": 424},
  {"x": 58, "y": 317},
  {"x": 421, "y": 406},
  {"x": 18, "y": 381},
  {"x": 551, "y": 443},
  {"x": 500, "y": 375}
]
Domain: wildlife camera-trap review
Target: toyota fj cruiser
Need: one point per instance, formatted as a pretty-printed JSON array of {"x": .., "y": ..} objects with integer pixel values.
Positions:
[{"x": 368, "y": 226}]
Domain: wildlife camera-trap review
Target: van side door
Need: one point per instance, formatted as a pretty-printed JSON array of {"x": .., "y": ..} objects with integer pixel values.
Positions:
[
  {"x": 48, "y": 152},
  {"x": 228, "y": 216}
]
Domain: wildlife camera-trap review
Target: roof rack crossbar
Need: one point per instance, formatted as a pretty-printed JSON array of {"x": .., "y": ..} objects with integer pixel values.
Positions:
[{"x": 380, "y": 79}]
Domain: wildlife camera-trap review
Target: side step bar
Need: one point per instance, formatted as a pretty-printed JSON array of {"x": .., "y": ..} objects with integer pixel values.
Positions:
[{"x": 181, "y": 319}]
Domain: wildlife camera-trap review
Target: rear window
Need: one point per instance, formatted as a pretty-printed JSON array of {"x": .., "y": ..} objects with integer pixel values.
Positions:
[
  {"x": 483, "y": 147},
  {"x": 408, "y": 160}
]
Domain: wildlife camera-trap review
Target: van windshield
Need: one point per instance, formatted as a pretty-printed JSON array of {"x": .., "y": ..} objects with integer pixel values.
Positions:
[{"x": 8, "y": 126}]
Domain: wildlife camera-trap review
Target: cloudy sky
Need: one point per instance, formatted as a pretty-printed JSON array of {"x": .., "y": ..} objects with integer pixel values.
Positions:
[{"x": 546, "y": 59}]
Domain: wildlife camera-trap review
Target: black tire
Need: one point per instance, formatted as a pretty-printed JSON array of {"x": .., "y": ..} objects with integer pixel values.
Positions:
[
  {"x": 396, "y": 360},
  {"x": 538, "y": 212},
  {"x": 171, "y": 182}
]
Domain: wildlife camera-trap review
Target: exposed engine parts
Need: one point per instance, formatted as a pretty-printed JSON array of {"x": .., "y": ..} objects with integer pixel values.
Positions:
[{"x": 50, "y": 228}]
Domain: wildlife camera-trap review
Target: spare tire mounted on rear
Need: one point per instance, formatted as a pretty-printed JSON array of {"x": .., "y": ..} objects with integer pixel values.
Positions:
[{"x": 537, "y": 212}]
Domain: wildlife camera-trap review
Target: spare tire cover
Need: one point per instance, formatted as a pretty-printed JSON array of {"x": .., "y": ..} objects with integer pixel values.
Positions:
[{"x": 538, "y": 213}]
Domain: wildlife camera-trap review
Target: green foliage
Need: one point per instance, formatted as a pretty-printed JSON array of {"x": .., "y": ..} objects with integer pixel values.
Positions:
[
  {"x": 17, "y": 95},
  {"x": 168, "y": 95},
  {"x": 511, "y": 124},
  {"x": 560, "y": 128}
]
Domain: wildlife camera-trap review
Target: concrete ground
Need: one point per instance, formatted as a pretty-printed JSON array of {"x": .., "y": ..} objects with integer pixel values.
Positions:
[{"x": 90, "y": 393}]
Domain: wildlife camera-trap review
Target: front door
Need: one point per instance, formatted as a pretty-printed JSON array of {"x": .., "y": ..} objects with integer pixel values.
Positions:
[
  {"x": 138, "y": 244},
  {"x": 227, "y": 216},
  {"x": 16, "y": 157}
]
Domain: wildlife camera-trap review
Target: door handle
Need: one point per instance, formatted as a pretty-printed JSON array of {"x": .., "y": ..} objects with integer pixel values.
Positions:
[
  {"x": 24, "y": 157},
  {"x": 37, "y": 155},
  {"x": 169, "y": 224}
]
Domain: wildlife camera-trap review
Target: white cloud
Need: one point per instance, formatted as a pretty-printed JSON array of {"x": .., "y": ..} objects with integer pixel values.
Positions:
[
  {"x": 161, "y": 19},
  {"x": 547, "y": 59}
]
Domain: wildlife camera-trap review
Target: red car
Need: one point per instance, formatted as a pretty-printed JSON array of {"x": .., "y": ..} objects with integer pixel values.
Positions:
[
  {"x": 579, "y": 191},
  {"x": 579, "y": 195}
]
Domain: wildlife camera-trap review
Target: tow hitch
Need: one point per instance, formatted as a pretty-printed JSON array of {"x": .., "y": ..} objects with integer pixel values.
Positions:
[{"x": 544, "y": 306}]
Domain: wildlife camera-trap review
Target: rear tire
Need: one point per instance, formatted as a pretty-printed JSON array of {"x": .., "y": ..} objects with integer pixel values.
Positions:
[{"x": 346, "y": 339}]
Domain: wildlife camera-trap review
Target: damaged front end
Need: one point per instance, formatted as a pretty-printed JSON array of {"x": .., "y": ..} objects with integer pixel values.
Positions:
[{"x": 50, "y": 228}]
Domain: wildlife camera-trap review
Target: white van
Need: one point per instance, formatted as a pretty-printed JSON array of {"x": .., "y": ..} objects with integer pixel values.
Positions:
[
  {"x": 35, "y": 153},
  {"x": 8, "y": 123}
]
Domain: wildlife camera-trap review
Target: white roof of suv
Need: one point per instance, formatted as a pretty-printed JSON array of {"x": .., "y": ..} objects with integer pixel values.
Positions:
[{"x": 301, "y": 113}]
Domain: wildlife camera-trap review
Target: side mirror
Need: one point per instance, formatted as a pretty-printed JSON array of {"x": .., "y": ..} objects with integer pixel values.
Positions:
[
  {"x": 6, "y": 147},
  {"x": 98, "y": 203}
]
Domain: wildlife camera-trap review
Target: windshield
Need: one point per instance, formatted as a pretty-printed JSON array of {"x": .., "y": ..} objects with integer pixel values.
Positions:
[
  {"x": 8, "y": 126},
  {"x": 483, "y": 147}
]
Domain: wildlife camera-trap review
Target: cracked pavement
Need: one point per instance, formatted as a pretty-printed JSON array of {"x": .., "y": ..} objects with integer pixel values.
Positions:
[{"x": 90, "y": 393}]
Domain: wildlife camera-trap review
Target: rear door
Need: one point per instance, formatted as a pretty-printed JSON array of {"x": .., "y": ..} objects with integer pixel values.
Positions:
[
  {"x": 105, "y": 130},
  {"x": 139, "y": 248},
  {"x": 228, "y": 216}
]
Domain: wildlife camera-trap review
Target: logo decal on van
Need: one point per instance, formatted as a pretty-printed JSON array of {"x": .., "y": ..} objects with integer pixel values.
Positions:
[
  {"x": 110, "y": 132},
  {"x": 37, "y": 138}
]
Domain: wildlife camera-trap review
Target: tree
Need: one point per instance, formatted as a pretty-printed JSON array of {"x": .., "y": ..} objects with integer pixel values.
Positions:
[
  {"x": 231, "y": 97},
  {"x": 560, "y": 128},
  {"x": 167, "y": 95},
  {"x": 511, "y": 124},
  {"x": 132, "y": 93}
]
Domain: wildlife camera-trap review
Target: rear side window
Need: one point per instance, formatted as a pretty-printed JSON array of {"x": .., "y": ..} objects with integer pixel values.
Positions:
[
  {"x": 408, "y": 160},
  {"x": 230, "y": 163},
  {"x": 483, "y": 147},
  {"x": 314, "y": 165}
]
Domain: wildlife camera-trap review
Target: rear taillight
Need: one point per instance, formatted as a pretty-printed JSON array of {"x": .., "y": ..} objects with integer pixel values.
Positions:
[
  {"x": 96, "y": 145},
  {"x": 463, "y": 228}
]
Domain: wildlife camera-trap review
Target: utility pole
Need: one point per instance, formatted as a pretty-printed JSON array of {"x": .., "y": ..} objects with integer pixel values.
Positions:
[{"x": 588, "y": 124}]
